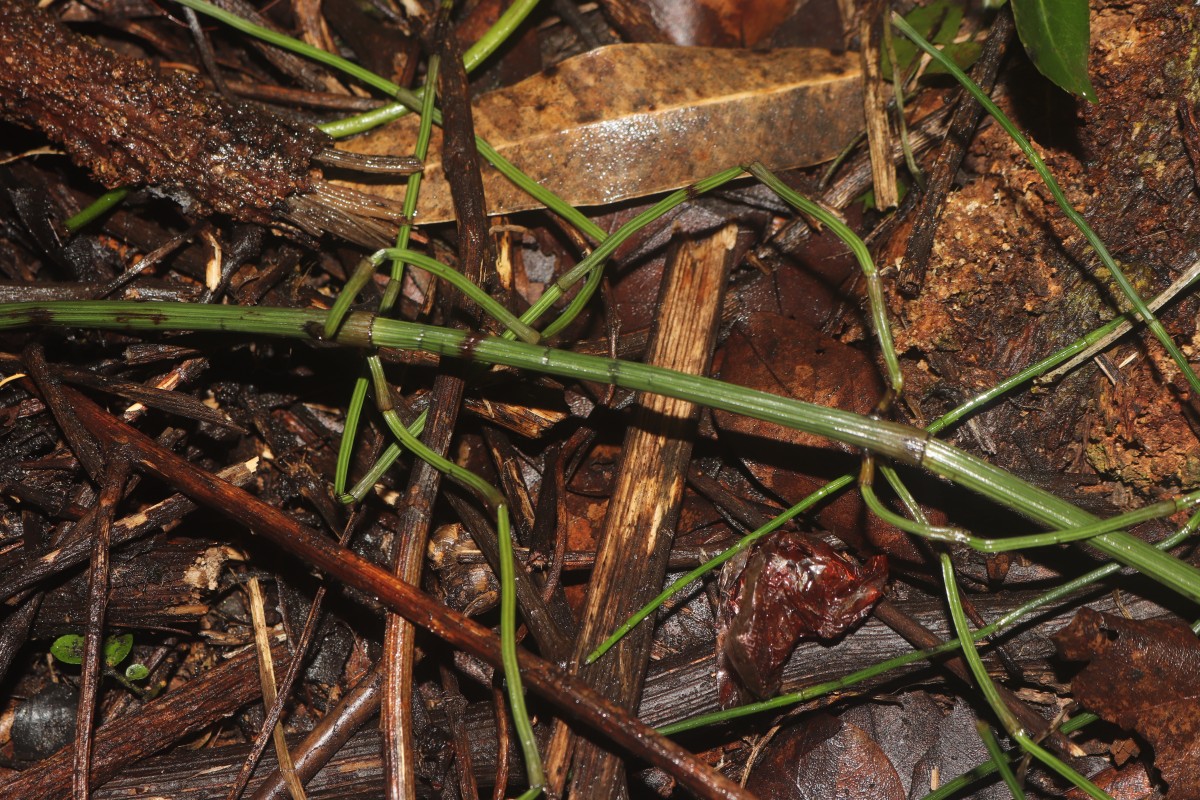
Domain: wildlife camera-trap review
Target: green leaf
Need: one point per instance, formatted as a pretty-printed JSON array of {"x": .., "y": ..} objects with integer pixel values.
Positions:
[
  {"x": 1055, "y": 34},
  {"x": 116, "y": 648},
  {"x": 136, "y": 672},
  {"x": 925, "y": 19},
  {"x": 964, "y": 54},
  {"x": 68, "y": 649}
]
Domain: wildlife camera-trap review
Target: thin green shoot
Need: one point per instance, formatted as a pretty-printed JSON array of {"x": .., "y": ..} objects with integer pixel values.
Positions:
[
  {"x": 508, "y": 608},
  {"x": 594, "y": 261},
  {"x": 475, "y": 55},
  {"x": 910, "y": 158},
  {"x": 959, "y": 617},
  {"x": 743, "y": 544},
  {"x": 96, "y": 209},
  {"x": 879, "y": 320},
  {"x": 1000, "y": 759},
  {"x": 954, "y": 786},
  {"x": 1060, "y": 197},
  {"x": 1007, "y": 544},
  {"x": 366, "y": 268}
]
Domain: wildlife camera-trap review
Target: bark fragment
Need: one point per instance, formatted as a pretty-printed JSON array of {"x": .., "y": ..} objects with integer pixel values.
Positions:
[{"x": 131, "y": 123}]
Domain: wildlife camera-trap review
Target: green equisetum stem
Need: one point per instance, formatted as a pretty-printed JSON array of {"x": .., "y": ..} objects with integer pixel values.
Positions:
[
  {"x": 902, "y": 443},
  {"x": 980, "y": 673}
]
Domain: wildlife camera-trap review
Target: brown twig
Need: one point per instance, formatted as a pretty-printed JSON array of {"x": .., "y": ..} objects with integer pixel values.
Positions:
[
  {"x": 570, "y": 695},
  {"x": 334, "y": 730},
  {"x": 300, "y": 652},
  {"x": 81, "y": 442},
  {"x": 879, "y": 131},
  {"x": 116, "y": 473},
  {"x": 455, "y": 704}
]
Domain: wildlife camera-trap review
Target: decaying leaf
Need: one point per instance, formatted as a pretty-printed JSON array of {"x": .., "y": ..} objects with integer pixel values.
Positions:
[
  {"x": 1143, "y": 675},
  {"x": 630, "y": 120},
  {"x": 793, "y": 587},
  {"x": 824, "y": 757},
  {"x": 788, "y": 357}
]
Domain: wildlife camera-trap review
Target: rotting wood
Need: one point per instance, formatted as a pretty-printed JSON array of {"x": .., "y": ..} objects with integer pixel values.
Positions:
[
  {"x": 950, "y": 157},
  {"x": 132, "y": 124},
  {"x": 631, "y": 558},
  {"x": 30, "y": 569},
  {"x": 570, "y": 695}
]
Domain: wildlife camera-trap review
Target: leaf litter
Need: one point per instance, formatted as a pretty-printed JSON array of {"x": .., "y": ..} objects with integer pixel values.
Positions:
[{"x": 869, "y": 742}]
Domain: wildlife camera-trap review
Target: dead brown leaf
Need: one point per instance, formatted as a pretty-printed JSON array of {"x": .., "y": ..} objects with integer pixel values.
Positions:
[
  {"x": 828, "y": 758},
  {"x": 1143, "y": 675},
  {"x": 793, "y": 587},
  {"x": 635, "y": 119},
  {"x": 788, "y": 357}
]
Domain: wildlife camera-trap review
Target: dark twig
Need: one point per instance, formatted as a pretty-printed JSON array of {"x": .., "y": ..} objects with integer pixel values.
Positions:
[
  {"x": 455, "y": 704},
  {"x": 466, "y": 189},
  {"x": 571, "y": 696},
  {"x": 204, "y": 47},
  {"x": 115, "y": 474},
  {"x": 334, "y": 730},
  {"x": 271, "y": 719},
  {"x": 81, "y": 442}
]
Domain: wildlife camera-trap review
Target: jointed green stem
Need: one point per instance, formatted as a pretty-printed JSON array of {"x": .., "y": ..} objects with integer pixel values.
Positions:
[
  {"x": 999, "y": 707},
  {"x": 899, "y": 442},
  {"x": 366, "y": 268},
  {"x": 391, "y": 294},
  {"x": 1000, "y": 759}
]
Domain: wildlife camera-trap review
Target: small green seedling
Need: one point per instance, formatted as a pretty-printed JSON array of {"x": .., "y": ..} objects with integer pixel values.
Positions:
[{"x": 69, "y": 650}]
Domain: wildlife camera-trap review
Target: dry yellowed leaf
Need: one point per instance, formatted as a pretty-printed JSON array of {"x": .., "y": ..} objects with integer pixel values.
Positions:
[{"x": 631, "y": 120}]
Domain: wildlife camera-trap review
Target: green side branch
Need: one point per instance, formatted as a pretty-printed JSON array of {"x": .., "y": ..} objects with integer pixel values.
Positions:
[{"x": 1135, "y": 300}]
